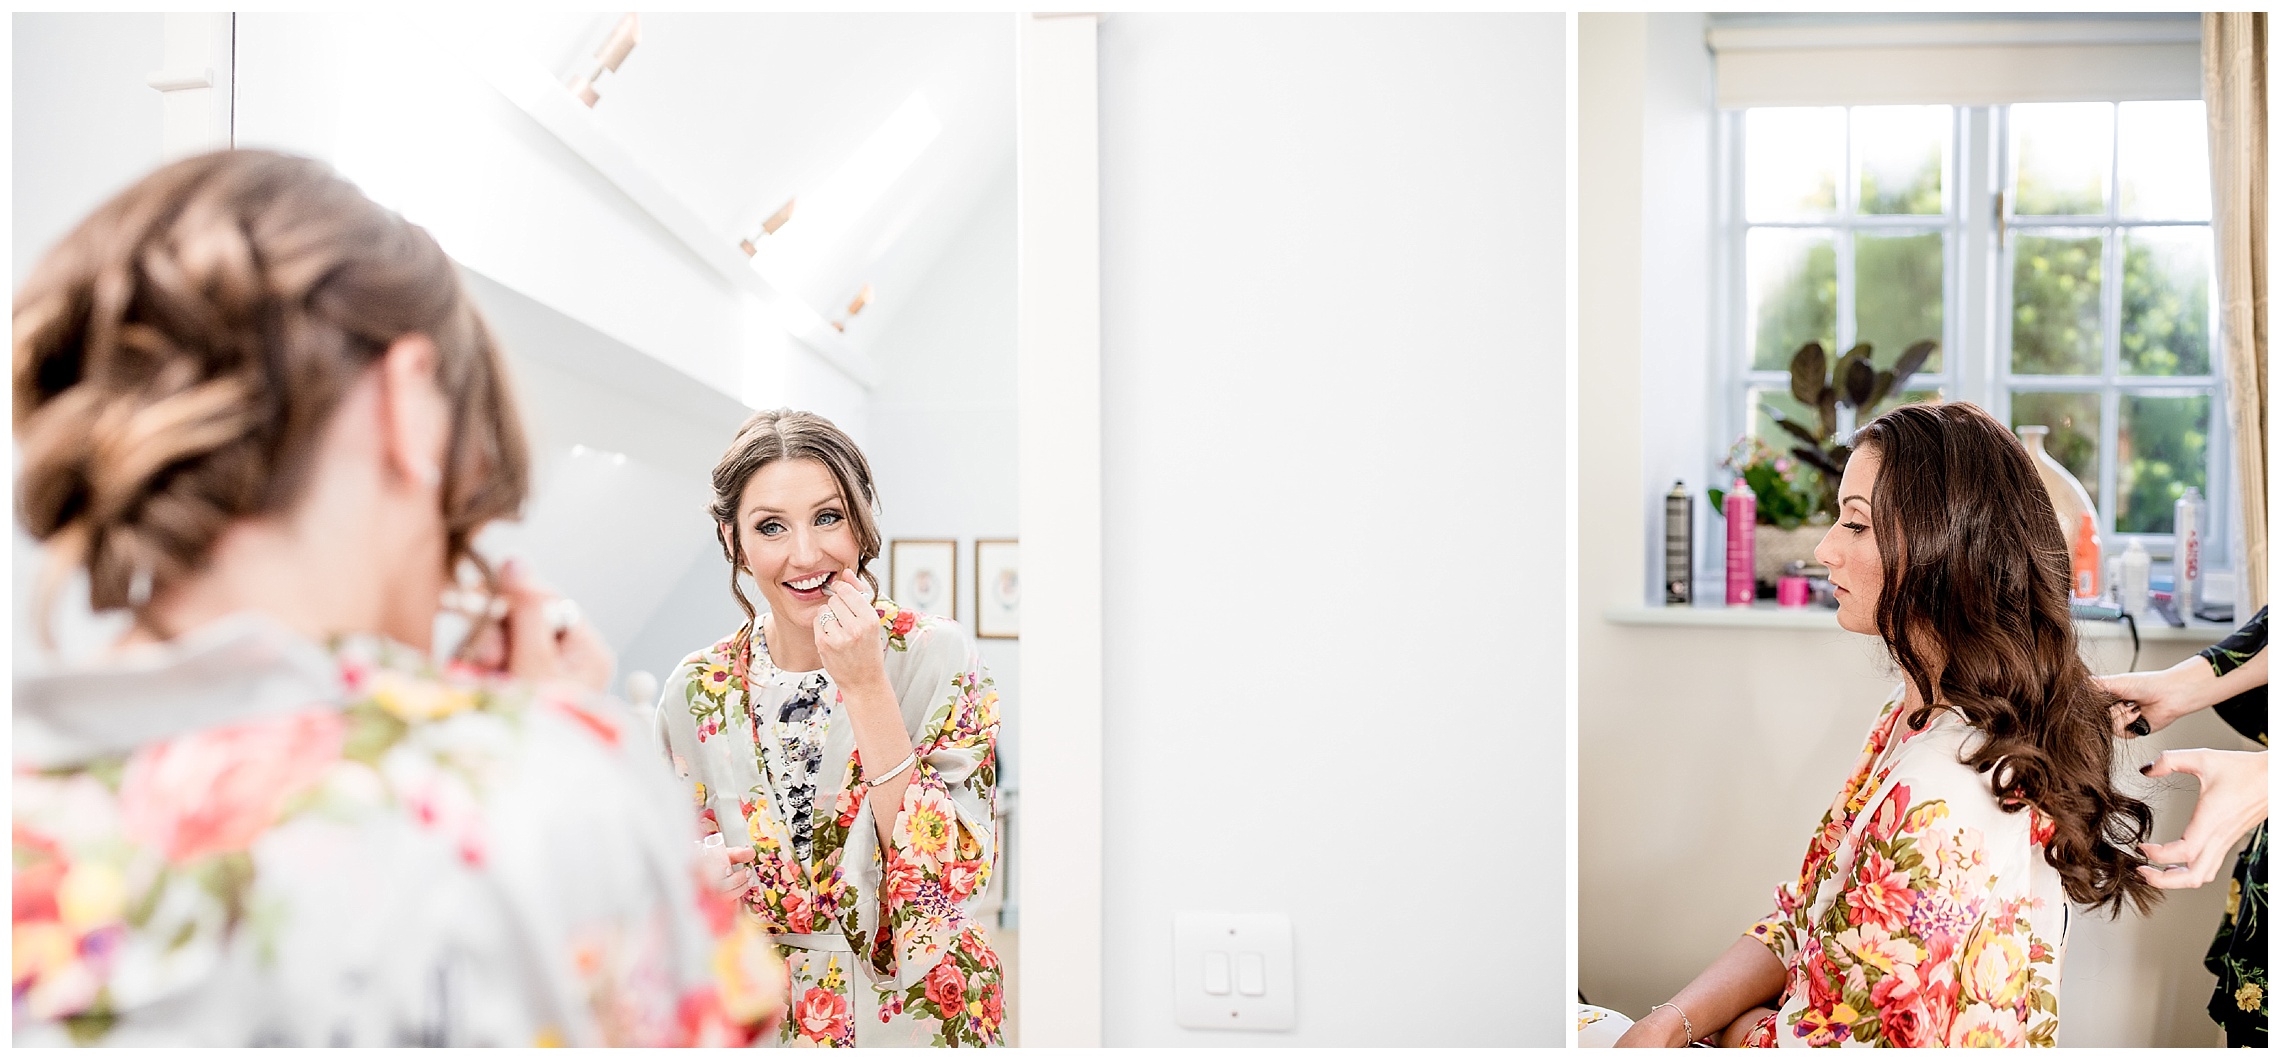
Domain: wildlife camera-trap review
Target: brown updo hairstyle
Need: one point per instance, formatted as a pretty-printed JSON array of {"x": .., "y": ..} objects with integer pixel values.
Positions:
[
  {"x": 788, "y": 434},
  {"x": 1975, "y": 611},
  {"x": 179, "y": 353}
]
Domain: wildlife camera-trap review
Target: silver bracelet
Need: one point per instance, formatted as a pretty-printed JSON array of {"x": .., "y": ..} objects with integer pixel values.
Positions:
[
  {"x": 896, "y": 771},
  {"x": 1682, "y": 1020}
]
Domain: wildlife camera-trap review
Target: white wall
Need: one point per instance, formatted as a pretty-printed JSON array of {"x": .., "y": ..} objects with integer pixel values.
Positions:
[
  {"x": 1708, "y": 755},
  {"x": 1331, "y": 287},
  {"x": 71, "y": 73},
  {"x": 941, "y": 421}
]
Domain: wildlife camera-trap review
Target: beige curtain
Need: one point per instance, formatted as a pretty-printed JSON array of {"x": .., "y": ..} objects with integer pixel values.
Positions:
[{"x": 2233, "y": 77}]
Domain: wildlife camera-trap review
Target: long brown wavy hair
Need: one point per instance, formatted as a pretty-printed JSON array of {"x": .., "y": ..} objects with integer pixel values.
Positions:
[
  {"x": 1975, "y": 612},
  {"x": 179, "y": 352}
]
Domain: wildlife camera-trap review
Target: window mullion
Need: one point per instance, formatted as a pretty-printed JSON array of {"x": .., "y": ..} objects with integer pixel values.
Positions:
[
  {"x": 1971, "y": 353},
  {"x": 1848, "y": 207}
]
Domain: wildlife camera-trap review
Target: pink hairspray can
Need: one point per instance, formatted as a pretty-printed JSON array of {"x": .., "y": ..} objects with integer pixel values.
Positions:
[{"x": 1741, "y": 544}]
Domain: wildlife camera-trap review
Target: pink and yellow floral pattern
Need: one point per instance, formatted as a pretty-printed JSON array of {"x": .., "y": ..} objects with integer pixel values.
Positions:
[
  {"x": 908, "y": 961},
  {"x": 1924, "y": 914},
  {"x": 181, "y": 890}
]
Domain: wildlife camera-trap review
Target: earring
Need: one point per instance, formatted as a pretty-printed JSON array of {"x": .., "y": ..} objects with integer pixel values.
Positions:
[{"x": 138, "y": 587}]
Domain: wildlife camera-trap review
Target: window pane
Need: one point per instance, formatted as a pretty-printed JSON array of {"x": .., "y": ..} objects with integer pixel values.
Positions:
[
  {"x": 2073, "y": 423},
  {"x": 2165, "y": 301},
  {"x": 1793, "y": 293},
  {"x": 2054, "y": 303},
  {"x": 2165, "y": 160},
  {"x": 2062, "y": 153},
  {"x": 1795, "y": 155},
  {"x": 1902, "y": 154},
  {"x": 1898, "y": 293},
  {"x": 2164, "y": 448}
]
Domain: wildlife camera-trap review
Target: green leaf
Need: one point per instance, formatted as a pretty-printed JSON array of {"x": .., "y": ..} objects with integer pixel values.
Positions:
[
  {"x": 1860, "y": 379},
  {"x": 371, "y": 733},
  {"x": 1806, "y": 370},
  {"x": 139, "y": 912},
  {"x": 1911, "y": 362},
  {"x": 1876, "y": 393},
  {"x": 1797, "y": 430},
  {"x": 1717, "y": 502},
  {"x": 1819, "y": 461}
]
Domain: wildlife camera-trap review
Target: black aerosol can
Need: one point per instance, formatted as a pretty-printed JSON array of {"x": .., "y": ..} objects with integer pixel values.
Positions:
[{"x": 1678, "y": 546}]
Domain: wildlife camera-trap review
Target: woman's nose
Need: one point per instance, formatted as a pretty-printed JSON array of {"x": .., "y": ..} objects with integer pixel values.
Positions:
[
  {"x": 804, "y": 550},
  {"x": 1823, "y": 554}
]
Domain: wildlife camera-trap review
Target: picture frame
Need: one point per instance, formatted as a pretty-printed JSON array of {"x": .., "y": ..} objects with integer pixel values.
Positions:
[
  {"x": 922, "y": 575},
  {"x": 997, "y": 588}
]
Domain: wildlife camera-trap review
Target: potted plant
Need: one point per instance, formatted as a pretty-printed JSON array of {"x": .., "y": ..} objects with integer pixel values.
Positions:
[
  {"x": 1853, "y": 385},
  {"x": 1789, "y": 519}
]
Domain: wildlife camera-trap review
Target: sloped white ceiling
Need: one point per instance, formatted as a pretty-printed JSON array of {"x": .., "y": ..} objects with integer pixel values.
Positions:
[{"x": 735, "y": 113}]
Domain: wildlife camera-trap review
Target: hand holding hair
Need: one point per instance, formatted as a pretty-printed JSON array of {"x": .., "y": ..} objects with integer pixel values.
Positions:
[{"x": 2233, "y": 800}]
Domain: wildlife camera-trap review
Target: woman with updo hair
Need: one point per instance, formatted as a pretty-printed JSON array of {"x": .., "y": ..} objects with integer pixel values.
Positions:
[
  {"x": 846, "y": 750},
  {"x": 261, "y": 416},
  {"x": 1932, "y": 905}
]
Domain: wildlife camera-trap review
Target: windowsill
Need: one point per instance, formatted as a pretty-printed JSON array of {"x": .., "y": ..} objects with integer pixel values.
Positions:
[{"x": 1766, "y": 615}]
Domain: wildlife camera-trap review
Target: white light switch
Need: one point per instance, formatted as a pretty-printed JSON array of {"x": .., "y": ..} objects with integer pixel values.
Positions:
[
  {"x": 1233, "y": 971},
  {"x": 1251, "y": 974}
]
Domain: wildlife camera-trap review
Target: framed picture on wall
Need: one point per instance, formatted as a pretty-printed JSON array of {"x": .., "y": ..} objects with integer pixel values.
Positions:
[
  {"x": 997, "y": 588},
  {"x": 922, "y": 575}
]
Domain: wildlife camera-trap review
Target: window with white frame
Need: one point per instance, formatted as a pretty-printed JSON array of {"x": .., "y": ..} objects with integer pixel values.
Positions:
[{"x": 2059, "y": 253}]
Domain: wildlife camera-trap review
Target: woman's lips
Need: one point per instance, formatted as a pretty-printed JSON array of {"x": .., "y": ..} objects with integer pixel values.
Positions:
[{"x": 820, "y": 591}]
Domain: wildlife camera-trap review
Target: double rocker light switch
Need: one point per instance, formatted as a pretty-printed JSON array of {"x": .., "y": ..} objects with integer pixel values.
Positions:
[
  {"x": 1233, "y": 971},
  {"x": 1249, "y": 978}
]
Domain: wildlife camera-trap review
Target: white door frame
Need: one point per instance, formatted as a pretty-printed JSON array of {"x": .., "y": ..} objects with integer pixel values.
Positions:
[{"x": 1057, "y": 176}]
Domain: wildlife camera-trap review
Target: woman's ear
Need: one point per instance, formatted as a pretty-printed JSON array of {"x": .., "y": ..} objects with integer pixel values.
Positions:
[
  {"x": 414, "y": 420},
  {"x": 728, "y": 551}
]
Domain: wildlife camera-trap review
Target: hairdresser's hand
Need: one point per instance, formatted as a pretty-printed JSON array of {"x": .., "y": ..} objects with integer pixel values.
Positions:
[
  {"x": 538, "y": 652},
  {"x": 2160, "y": 696},
  {"x": 847, "y": 636},
  {"x": 1661, "y": 1029},
  {"x": 2233, "y": 800}
]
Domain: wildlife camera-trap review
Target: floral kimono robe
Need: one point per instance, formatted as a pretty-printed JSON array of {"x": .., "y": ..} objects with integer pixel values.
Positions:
[
  {"x": 1924, "y": 914},
  {"x": 246, "y": 839},
  {"x": 883, "y": 945}
]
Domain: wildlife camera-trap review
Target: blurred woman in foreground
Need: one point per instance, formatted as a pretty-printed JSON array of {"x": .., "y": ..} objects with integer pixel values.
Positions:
[{"x": 260, "y": 414}]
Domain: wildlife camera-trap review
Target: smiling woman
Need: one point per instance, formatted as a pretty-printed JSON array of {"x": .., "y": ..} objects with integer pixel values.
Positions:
[{"x": 867, "y": 873}]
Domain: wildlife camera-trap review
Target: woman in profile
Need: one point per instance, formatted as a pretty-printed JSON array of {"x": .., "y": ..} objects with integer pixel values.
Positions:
[
  {"x": 1931, "y": 908},
  {"x": 260, "y": 415},
  {"x": 850, "y": 746}
]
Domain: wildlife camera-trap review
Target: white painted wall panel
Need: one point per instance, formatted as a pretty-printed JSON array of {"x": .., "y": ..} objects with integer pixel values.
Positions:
[{"x": 1332, "y": 455}]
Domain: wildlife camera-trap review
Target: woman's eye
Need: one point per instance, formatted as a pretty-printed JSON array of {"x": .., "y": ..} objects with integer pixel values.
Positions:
[
  {"x": 1854, "y": 527},
  {"x": 770, "y": 528},
  {"x": 827, "y": 518}
]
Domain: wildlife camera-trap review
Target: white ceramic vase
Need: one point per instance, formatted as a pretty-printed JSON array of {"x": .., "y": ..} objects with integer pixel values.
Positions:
[{"x": 2067, "y": 496}]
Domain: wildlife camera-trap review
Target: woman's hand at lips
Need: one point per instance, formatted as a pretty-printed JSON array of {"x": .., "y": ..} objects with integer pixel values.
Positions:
[{"x": 847, "y": 634}]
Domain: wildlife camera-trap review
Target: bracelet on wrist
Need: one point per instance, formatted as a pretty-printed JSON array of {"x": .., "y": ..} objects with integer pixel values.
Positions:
[
  {"x": 907, "y": 762},
  {"x": 1683, "y": 1022}
]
